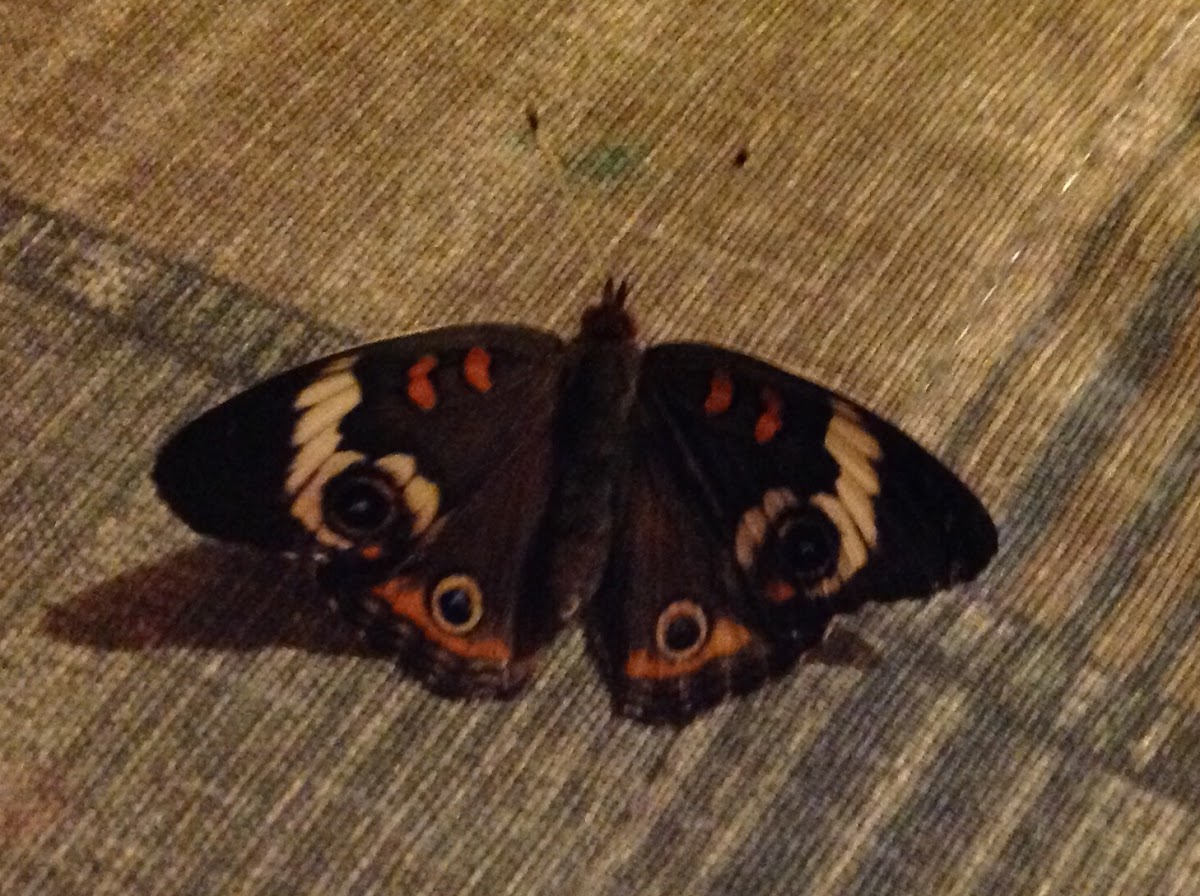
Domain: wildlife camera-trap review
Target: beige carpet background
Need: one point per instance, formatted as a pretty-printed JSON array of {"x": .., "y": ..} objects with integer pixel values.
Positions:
[{"x": 982, "y": 219}]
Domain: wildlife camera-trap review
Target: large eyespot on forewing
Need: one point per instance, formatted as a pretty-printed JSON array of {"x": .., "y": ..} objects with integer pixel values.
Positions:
[
  {"x": 800, "y": 549},
  {"x": 359, "y": 504},
  {"x": 373, "y": 504}
]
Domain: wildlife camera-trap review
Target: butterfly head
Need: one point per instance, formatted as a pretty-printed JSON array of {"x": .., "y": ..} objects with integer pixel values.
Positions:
[{"x": 609, "y": 320}]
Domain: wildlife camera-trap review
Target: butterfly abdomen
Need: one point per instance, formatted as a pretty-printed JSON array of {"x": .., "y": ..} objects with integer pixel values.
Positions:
[{"x": 592, "y": 428}]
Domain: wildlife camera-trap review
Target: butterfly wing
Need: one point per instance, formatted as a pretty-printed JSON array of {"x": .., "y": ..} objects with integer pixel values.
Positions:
[
  {"x": 415, "y": 474},
  {"x": 757, "y": 506}
]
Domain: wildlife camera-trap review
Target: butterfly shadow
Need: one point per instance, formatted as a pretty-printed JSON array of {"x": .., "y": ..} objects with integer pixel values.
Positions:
[{"x": 207, "y": 596}]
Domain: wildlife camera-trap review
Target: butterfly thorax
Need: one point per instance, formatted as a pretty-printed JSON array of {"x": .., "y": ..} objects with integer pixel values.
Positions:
[{"x": 592, "y": 427}]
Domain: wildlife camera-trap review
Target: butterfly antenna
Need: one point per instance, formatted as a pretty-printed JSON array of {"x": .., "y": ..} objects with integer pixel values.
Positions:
[{"x": 614, "y": 297}]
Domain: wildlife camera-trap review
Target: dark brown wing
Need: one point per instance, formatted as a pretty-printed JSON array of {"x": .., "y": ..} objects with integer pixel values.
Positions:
[
  {"x": 759, "y": 505},
  {"x": 414, "y": 473}
]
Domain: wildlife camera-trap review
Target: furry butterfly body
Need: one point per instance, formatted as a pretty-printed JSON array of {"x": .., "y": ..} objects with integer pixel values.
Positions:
[{"x": 465, "y": 493}]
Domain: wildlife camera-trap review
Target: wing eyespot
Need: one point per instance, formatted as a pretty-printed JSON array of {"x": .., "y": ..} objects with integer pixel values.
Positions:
[
  {"x": 682, "y": 630},
  {"x": 791, "y": 548},
  {"x": 359, "y": 504},
  {"x": 456, "y": 604},
  {"x": 351, "y": 498},
  {"x": 805, "y": 545}
]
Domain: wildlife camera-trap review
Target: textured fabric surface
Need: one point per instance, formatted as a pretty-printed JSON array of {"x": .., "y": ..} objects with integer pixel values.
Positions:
[{"x": 981, "y": 219}]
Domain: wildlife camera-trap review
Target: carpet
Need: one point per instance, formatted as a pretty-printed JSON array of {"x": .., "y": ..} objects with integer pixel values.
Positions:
[{"x": 980, "y": 219}]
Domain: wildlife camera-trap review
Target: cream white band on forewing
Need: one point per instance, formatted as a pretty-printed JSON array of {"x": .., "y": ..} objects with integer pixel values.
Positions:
[
  {"x": 326, "y": 414},
  {"x": 335, "y": 378},
  {"x": 855, "y": 450},
  {"x": 776, "y": 501},
  {"x": 309, "y": 459},
  {"x": 322, "y": 404},
  {"x": 752, "y": 527},
  {"x": 852, "y": 508},
  {"x": 422, "y": 498},
  {"x": 400, "y": 467},
  {"x": 748, "y": 540},
  {"x": 852, "y": 551}
]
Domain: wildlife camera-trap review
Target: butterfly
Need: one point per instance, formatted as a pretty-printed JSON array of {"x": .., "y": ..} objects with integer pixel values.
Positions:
[{"x": 462, "y": 494}]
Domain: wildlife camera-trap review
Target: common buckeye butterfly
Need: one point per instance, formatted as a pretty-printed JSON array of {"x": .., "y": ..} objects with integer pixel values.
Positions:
[{"x": 466, "y": 492}]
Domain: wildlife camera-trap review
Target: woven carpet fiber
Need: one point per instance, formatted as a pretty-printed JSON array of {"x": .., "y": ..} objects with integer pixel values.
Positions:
[{"x": 979, "y": 217}]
